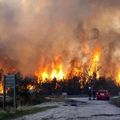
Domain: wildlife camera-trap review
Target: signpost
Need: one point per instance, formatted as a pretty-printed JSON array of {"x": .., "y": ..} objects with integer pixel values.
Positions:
[{"x": 9, "y": 82}]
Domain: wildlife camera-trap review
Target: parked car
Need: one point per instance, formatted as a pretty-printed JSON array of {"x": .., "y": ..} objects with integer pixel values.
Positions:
[{"x": 103, "y": 95}]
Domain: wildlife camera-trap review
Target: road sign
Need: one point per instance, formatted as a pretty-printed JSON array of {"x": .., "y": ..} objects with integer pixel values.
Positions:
[{"x": 9, "y": 82}]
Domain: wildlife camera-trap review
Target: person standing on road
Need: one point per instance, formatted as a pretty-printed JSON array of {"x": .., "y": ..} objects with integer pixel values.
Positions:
[
  {"x": 89, "y": 92},
  {"x": 94, "y": 94}
]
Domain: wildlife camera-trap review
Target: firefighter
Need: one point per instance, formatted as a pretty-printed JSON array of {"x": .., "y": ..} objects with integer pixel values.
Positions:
[
  {"x": 89, "y": 92},
  {"x": 94, "y": 94}
]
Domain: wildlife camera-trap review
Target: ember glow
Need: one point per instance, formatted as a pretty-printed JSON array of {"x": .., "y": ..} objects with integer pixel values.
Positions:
[{"x": 30, "y": 87}]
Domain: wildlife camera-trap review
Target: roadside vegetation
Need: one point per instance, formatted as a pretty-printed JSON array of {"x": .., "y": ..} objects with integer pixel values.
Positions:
[
  {"x": 116, "y": 101},
  {"x": 20, "y": 113}
]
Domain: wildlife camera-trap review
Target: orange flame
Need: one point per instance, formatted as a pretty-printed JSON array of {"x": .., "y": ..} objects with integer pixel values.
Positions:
[
  {"x": 77, "y": 68},
  {"x": 1, "y": 87},
  {"x": 30, "y": 87},
  {"x": 94, "y": 62},
  {"x": 55, "y": 71},
  {"x": 118, "y": 78}
]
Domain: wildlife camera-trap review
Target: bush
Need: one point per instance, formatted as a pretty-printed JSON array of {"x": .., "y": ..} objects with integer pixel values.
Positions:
[
  {"x": 31, "y": 99},
  {"x": 36, "y": 99},
  {"x": 116, "y": 101}
]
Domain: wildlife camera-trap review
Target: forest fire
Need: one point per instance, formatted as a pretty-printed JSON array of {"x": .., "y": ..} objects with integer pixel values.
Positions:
[
  {"x": 53, "y": 41},
  {"x": 55, "y": 71},
  {"x": 76, "y": 68},
  {"x": 82, "y": 69}
]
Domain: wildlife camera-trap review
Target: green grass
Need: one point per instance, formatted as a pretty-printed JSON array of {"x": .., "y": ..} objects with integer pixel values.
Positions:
[
  {"x": 20, "y": 113},
  {"x": 116, "y": 101}
]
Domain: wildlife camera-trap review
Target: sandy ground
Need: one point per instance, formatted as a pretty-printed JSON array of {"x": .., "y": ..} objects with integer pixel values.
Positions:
[{"x": 77, "y": 109}]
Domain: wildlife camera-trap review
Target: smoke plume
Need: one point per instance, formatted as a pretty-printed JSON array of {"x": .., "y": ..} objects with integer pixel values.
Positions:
[{"x": 34, "y": 32}]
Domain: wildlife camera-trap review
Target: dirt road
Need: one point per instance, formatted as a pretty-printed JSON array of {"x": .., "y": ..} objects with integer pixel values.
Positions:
[{"x": 78, "y": 109}]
